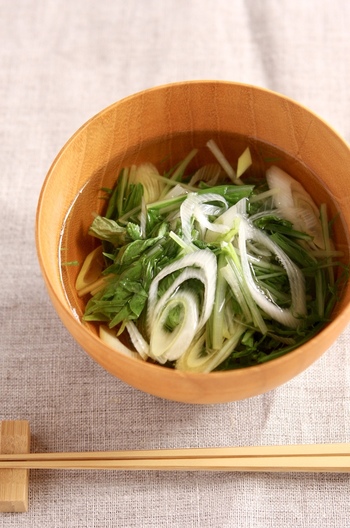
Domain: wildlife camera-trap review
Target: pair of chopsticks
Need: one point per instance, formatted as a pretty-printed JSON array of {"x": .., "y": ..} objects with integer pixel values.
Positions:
[{"x": 299, "y": 458}]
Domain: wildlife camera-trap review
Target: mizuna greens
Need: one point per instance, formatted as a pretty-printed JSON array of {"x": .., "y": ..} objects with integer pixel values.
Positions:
[{"x": 204, "y": 272}]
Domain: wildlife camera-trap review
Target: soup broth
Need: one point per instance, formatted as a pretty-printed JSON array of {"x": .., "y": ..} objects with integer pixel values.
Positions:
[{"x": 76, "y": 243}]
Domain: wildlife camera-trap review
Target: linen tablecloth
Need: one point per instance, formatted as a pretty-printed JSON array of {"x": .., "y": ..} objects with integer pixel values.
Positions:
[{"x": 60, "y": 63}]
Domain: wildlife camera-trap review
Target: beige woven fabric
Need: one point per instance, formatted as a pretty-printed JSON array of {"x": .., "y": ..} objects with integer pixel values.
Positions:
[{"x": 60, "y": 63}]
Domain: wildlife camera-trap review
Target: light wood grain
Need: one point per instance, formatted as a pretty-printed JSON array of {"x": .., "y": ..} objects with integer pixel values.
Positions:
[
  {"x": 165, "y": 123},
  {"x": 307, "y": 450},
  {"x": 14, "y": 482},
  {"x": 323, "y": 457},
  {"x": 322, "y": 463}
]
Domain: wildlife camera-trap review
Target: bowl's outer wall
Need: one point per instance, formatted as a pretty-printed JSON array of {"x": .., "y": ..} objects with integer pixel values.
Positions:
[{"x": 165, "y": 123}]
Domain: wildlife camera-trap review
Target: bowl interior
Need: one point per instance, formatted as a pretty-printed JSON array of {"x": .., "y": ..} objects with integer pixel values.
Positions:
[
  {"x": 165, "y": 154},
  {"x": 162, "y": 125}
]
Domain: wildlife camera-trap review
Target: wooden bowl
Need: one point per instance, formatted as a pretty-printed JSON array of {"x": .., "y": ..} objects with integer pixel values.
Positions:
[{"x": 162, "y": 125}]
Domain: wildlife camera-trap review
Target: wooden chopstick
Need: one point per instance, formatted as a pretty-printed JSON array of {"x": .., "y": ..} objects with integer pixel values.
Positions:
[
  {"x": 210, "y": 452},
  {"x": 308, "y": 457},
  {"x": 322, "y": 463}
]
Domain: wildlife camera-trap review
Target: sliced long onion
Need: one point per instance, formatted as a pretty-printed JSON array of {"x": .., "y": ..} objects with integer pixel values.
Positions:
[
  {"x": 108, "y": 335},
  {"x": 148, "y": 175},
  {"x": 91, "y": 269},
  {"x": 213, "y": 147},
  {"x": 217, "y": 318},
  {"x": 290, "y": 317},
  {"x": 195, "y": 207},
  {"x": 196, "y": 359},
  {"x": 138, "y": 340},
  {"x": 168, "y": 345},
  {"x": 234, "y": 275},
  {"x": 295, "y": 204},
  {"x": 226, "y": 220},
  {"x": 208, "y": 173},
  {"x": 200, "y": 265},
  {"x": 177, "y": 190}
]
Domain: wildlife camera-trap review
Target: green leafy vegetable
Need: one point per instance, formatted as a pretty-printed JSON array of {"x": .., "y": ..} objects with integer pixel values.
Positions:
[{"x": 212, "y": 274}]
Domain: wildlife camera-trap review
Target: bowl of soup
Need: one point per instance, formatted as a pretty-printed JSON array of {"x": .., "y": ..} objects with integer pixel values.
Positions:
[{"x": 227, "y": 160}]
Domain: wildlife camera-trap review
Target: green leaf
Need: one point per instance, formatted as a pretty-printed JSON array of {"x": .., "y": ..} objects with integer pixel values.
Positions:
[
  {"x": 133, "y": 231},
  {"x": 134, "y": 250},
  {"x": 133, "y": 198},
  {"x": 137, "y": 304},
  {"x": 109, "y": 230},
  {"x": 274, "y": 224}
]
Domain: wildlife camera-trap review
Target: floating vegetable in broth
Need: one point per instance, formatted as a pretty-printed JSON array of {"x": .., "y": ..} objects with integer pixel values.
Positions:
[{"x": 206, "y": 271}]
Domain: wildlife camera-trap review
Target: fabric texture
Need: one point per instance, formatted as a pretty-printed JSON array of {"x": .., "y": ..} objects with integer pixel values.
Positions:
[{"x": 60, "y": 63}]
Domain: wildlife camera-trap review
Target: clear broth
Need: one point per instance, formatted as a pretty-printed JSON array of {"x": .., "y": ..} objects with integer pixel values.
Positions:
[{"x": 76, "y": 243}]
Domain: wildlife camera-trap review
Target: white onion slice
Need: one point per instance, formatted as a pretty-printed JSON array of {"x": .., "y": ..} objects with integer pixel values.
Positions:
[{"x": 289, "y": 317}]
